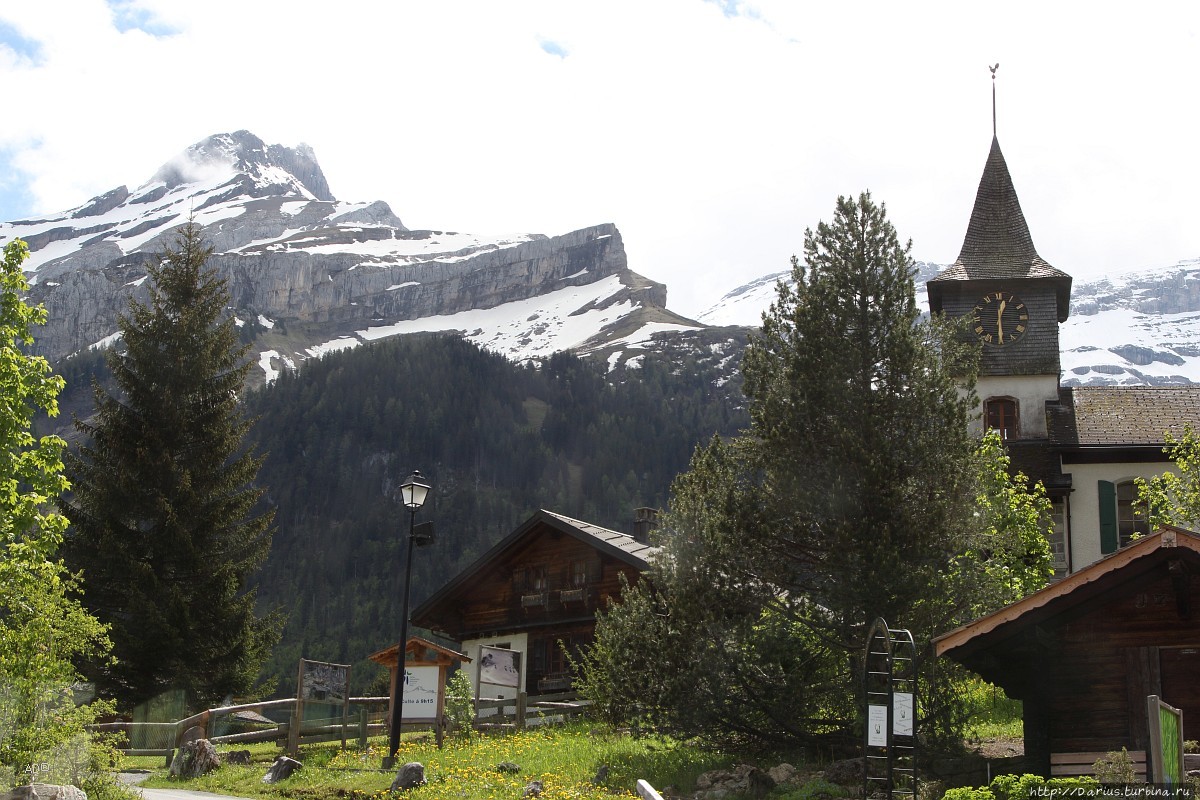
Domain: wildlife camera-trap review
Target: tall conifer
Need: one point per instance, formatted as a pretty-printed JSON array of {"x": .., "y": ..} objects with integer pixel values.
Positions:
[
  {"x": 858, "y": 492},
  {"x": 164, "y": 522}
]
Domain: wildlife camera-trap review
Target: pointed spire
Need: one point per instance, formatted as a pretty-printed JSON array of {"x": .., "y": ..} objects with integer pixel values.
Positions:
[
  {"x": 998, "y": 246},
  {"x": 998, "y": 243}
]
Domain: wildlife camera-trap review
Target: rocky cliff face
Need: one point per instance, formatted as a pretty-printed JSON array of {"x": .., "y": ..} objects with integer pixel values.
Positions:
[{"x": 304, "y": 269}]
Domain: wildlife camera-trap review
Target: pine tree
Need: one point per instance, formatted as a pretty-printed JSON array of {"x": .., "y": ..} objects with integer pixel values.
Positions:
[
  {"x": 165, "y": 527},
  {"x": 858, "y": 492}
]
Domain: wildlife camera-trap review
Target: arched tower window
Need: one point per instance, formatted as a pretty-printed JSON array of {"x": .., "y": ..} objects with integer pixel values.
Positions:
[{"x": 1000, "y": 414}]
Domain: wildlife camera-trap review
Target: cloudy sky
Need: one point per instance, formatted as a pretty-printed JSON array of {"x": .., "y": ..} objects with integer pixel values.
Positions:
[{"x": 712, "y": 132}]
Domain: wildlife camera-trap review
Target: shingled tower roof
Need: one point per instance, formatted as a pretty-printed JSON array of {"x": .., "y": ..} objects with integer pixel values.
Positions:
[{"x": 998, "y": 246}]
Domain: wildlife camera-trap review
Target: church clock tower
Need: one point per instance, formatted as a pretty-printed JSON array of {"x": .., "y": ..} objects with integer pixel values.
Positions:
[{"x": 1015, "y": 302}]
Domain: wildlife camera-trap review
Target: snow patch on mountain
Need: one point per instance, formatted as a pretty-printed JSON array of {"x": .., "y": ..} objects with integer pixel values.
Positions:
[
  {"x": 1135, "y": 328},
  {"x": 532, "y": 328}
]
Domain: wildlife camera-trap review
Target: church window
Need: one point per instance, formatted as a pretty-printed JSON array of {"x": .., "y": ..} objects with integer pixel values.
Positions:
[
  {"x": 1122, "y": 516},
  {"x": 1000, "y": 414},
  {"x": 1132, "y": 519}
]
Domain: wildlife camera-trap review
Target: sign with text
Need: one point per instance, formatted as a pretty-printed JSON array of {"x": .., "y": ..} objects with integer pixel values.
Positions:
[
  {"x": 420, "y": 693},
  {"x": 877, "y": 726}
]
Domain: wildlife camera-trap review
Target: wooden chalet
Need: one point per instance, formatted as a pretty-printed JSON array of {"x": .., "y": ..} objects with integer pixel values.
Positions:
[
  {"x": 1084, "y": 653},
  {"x": 537, "y": 591}
]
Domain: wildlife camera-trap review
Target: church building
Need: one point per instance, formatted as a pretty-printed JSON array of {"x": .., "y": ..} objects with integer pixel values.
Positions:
[{"x": 1086, "y": 444}]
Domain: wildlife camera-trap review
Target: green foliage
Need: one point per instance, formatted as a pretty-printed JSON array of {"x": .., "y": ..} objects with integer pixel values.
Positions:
[
  {"x": 42, "y": 625},
  {"x": 460, "y": 704},
  {"x": 1023, "y": 787},
  {"x": 1173, "y": 498},
  {"x": 990, "y": 712},
  {"x": 1006, "y": 553},
  {"x": 1116, "y": 768},
  {"x": 815, "y": 789},
  {"x": 856, "y": 493},
  {"x": 164, "y": 522}
]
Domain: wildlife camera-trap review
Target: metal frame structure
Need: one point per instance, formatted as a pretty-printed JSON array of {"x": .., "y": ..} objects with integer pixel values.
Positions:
[{"x": 890, "y": 695}]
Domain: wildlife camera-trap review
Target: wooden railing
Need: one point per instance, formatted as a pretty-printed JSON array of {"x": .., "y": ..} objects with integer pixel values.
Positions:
[
  {"x": 164, "y": 738},
  {"x": 522, "y": 711}
]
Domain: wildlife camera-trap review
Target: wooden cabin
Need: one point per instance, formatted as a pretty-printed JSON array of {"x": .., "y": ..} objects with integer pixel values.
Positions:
[
  {"x": 1084, "y": 653},
  {"x": 537, "y": 591}
]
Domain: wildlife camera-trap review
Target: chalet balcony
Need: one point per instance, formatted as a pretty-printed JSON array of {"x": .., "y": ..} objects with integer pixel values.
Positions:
[
  {"x": 568, "y": 596},
  {"x": 535, "y": 600},
  {"x": 554, "y": 683}
]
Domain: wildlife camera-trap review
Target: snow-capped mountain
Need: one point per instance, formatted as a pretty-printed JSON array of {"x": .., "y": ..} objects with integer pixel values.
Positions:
[
  {"x": 1140, "y": 328},
  {"x": 309, "y": 274}
]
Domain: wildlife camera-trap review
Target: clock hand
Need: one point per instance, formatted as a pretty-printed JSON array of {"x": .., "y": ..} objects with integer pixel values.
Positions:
[{"x": 1000, "y": 322}]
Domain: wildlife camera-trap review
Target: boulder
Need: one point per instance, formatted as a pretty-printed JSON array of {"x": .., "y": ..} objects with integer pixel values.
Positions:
[
  {"x": 782, "y": 773},
  {"x": 194, "y": 759},
  {"x": 743, "y": 780},
  {"x": 533, "y": 789},
  {"x": 410, "y": 776},
  {"x": 282, "y": 768},
  {"x": 848, "y": 772},
  {"x": 240, "y": 757},
  {"x": 44, "y": 791}
]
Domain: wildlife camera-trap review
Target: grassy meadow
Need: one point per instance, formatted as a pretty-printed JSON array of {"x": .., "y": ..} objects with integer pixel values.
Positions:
[{"x": 564, "y": 759}]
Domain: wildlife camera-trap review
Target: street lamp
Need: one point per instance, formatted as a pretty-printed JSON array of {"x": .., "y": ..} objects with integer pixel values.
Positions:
[{"x": 413, "y": 493}]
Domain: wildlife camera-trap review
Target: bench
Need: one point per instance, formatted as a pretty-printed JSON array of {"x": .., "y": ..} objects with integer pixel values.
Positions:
[{"x": 1073, "y": 765}]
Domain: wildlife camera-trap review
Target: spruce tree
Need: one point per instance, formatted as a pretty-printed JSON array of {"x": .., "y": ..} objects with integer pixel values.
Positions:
[{"x": 165, "y": 528}]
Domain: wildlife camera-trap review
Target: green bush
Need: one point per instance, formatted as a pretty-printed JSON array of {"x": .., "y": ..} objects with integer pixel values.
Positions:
[
  {"x": 459, "y": 704},
  {"x": 1020, "y": 787}
]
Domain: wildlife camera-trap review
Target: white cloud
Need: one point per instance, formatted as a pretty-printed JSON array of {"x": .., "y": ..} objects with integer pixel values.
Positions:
[{"x": 712, "y": 134}]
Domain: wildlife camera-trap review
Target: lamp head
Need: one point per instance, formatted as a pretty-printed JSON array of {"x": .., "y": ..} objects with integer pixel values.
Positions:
[{"x": 414, "y": 491}]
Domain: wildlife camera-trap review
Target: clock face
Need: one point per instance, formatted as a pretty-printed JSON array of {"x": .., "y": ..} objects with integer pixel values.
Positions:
[{"x": 1000, "y": 318}]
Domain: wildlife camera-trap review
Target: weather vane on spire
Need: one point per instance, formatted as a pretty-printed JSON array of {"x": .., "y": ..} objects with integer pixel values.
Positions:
[{"x": 993, "y": 69}]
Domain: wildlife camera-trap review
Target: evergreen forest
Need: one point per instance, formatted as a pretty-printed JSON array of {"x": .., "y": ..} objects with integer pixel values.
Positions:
[{"x": 496, "y": 439}]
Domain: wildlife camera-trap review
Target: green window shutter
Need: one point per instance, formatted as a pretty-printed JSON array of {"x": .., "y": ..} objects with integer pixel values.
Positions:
[{"x": 1108, "y": 516}]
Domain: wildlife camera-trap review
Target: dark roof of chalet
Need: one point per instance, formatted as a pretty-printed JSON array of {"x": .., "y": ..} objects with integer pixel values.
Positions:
[
  {"x": 1122, "y": 569},
  {"x": 621, "y": 546},
  {"x": 1040, "y": 462},
  {"x": 1121, "y": 416},
  {"x": 998, "y": 245}
]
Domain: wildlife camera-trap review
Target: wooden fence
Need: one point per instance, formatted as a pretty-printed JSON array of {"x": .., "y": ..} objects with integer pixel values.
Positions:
[
  {"x": 366, "y": 719},
  {"x": 164, "y": 738},
  {"x": 522, "y": 711}
]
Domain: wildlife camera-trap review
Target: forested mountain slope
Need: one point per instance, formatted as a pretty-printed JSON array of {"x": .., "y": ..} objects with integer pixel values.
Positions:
[{"x": 497, "y": 441}]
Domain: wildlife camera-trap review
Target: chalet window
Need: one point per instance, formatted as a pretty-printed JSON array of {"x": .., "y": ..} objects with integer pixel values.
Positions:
[
  {"x": 579, "y": 574},
  {"x": 1000, "y": 414},
  {"x": 1122, "y": 517},
  {"x": 530, "y": 579}
]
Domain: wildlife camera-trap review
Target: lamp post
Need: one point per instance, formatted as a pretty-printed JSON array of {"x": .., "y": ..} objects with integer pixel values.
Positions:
[{"x": 413, "y": 493}]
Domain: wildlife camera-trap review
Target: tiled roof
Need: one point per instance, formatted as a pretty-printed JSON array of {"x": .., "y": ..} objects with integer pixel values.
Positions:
[
  {"x": 998, "y": 245},
  {"x": 1122, "y": 416},
  {"x": 621, "y": 541},
  {"x": 1039, "y": 462}
]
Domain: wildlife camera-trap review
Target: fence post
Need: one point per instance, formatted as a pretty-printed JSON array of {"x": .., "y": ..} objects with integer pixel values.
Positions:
[
  {"x": 362, "y": 727},
  {"x": 522, "y": 698}
]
